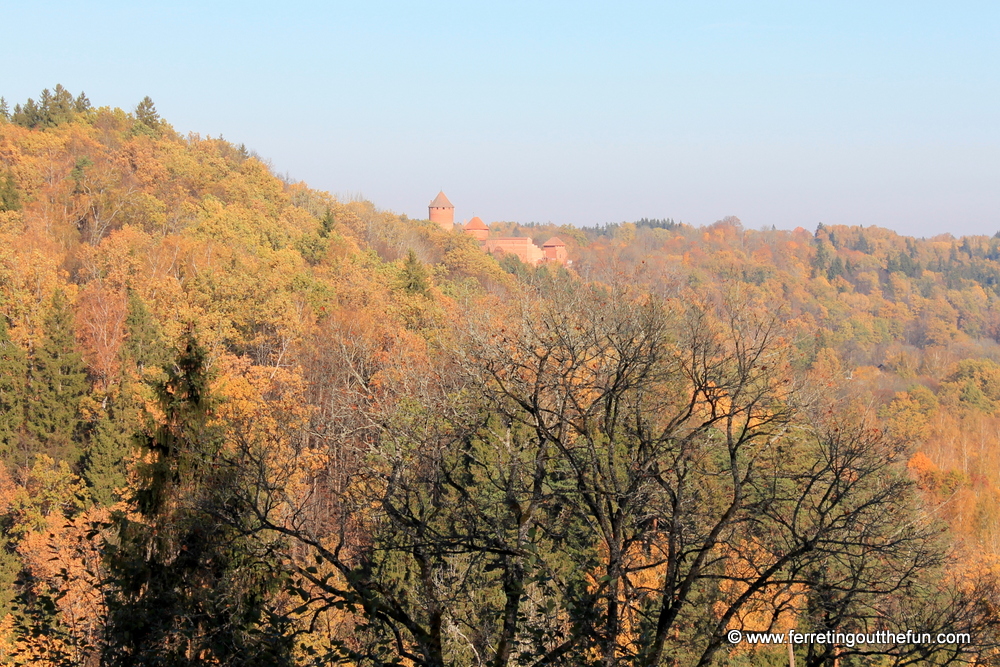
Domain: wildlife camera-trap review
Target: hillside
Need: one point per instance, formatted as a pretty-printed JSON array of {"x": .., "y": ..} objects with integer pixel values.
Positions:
[{"x": 246, "y": 423}]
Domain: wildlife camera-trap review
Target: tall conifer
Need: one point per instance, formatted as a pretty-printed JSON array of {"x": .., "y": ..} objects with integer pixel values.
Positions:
[
  {"x": 186, "y": 587},
  {"x": 58, "y": 381},
  {"x": 112, "y": 436},
  {"x": 13, "y": 374},
  {"x": 143, "y": 346}
]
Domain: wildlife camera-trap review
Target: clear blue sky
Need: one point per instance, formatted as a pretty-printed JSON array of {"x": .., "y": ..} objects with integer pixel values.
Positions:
[{"x": 783, "y": 113}]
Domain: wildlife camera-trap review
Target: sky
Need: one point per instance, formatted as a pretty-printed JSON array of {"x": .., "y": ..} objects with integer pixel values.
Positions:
[{"x": 780, "y": 113}]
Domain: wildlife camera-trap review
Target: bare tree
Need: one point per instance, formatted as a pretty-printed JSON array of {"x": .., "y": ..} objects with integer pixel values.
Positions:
[{"x": 603, "y": 477}]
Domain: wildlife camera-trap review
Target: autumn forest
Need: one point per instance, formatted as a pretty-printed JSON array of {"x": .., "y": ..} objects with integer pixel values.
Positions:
[{"x": 243, "y": 422}]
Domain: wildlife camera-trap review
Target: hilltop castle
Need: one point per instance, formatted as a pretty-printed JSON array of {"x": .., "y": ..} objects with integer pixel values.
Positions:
[{"x": 442, "y": 211}]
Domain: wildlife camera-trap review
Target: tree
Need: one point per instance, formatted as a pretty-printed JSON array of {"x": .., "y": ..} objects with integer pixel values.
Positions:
[
  {"x": 183, "y": 586},
  {"x": 143, "y": 348},
  {"x": 53, "y": 108},
  {"x": 112, "y": 436},
  {"x": 82, "y": 103},
  {"x": 10, "y": 197},
  {"x": 414, "y": 275},
  {"x": 615, "y": 480},
  {"x": 327, "y": 223},
  {"x": 145, "y": 113},
  {"x": 13, "y": 377},
  {"x": 56, "y": 383}
]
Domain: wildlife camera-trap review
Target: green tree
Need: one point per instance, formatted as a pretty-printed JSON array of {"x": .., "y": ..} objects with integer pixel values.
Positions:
[
  {"x": 53, "y": 108},
  {"x": 10, "y": 197},
  {"x": 28, "y": 115},
  {"x": 13, "y": 376},
  {"x": 104, "y": 461},
  {"x": 112, "y": 436},
  {"x": 821, "y": 260},
  {"x": 145, "y": 113},
  {"x": 81, "y": 103},
  {"x": 57, "y": 383},
  {"x": 143, "y": 346},
  {"x": 326, "y": 224},
  {"x": 836, "y": 268},
  {"x": 414, "y": 275},
  {"x": 184, "y": 587}
]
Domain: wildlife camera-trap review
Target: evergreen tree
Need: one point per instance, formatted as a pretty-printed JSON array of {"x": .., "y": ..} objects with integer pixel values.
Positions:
[
  {"x": 326, "y": 224},
  {"x": 60, "y": 107},
  {"x": 821, "y": 260},
  {"x": 82, "y": 103},
  {"x": 836, "y": 268},
  {"x": 13, "y": 375},
  {"x": 10, "y": 198},
  {"x": 108, "y": 447},
  {"x": 112, "y": 437},
  {"x": 57, "y": 384},
  {"x": 414, "y": 276},
  {"x": 143, "y": 346},
  {"x": 145, "y": 113},
  {"x": 53, "y": 108},
  {"x": 4, "y": 110},
  {"x": 26, "y": 115},
  {"x": 185, "y": 586},
  {"x": 10, "y": 566}
]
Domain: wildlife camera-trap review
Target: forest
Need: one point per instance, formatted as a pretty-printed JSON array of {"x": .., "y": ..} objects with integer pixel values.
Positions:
[{"x": 243, "y": 422}]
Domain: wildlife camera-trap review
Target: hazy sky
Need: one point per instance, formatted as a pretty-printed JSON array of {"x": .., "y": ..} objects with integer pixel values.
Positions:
[{"x": 783, "y": 113}]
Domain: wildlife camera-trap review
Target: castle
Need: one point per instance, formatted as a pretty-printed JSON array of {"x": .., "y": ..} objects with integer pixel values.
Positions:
[{"x": 441, "y": 211}]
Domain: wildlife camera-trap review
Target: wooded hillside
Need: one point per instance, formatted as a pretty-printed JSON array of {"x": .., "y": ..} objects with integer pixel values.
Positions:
[{"x": 242, "y": 422}]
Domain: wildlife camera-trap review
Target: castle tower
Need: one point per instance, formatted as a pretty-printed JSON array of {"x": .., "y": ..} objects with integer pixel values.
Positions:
[
  {"x": 477, "y": 229},
  {"x": 442, "y": 212},
  {"x": 555, "y": 250}
]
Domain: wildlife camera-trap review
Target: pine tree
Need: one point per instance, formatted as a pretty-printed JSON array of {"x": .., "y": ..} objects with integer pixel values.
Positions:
[
  {"x": 57, "y": 383},
  {"x": 13, "y": 376},
  {"x": 836, "y": 268},
  {"x": 26, "y": 115},
  {"x": 414, "y": 275},
  {"x": 863, "y": 245},
  {"x": 143, "y": 346},
  {"x": 821, "y": 260},
  {"x": 112, "y": 436},
  {"x": 60, "y": 108},
  {"x": 108, "y": 447},
  {"x": 145, "y": 113},
  {"x": 81, "y": 103},
  {"x": 10, "y": 198},
  {"x": 185, "y": 587},
  {"x": 326, "y": 224}
]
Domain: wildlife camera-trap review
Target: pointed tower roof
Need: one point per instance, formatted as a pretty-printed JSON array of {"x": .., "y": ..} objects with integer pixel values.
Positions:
[
  {"x": 441, "y": 201},
  {"x": 554, "y": 242},
  {"x": 476, "y": 224}
]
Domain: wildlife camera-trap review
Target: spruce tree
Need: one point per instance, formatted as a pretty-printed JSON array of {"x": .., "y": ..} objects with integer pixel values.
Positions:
[
  {"x": 143, "y": 346},
  {"x": 10, "y": 197},
  {"x": 185, "y": 585},
  {"x": 13, "y": 376},
  {"x": 81, "y": 103},
  {"x": 112, "y": 436},
  {"x": 145, "y": 113},
  {"x": 107, "y": 450},
  {"x": 414, "y": 275},
  {"x": 327, "y": 223},
  {"x": 58, "y": 381}
]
